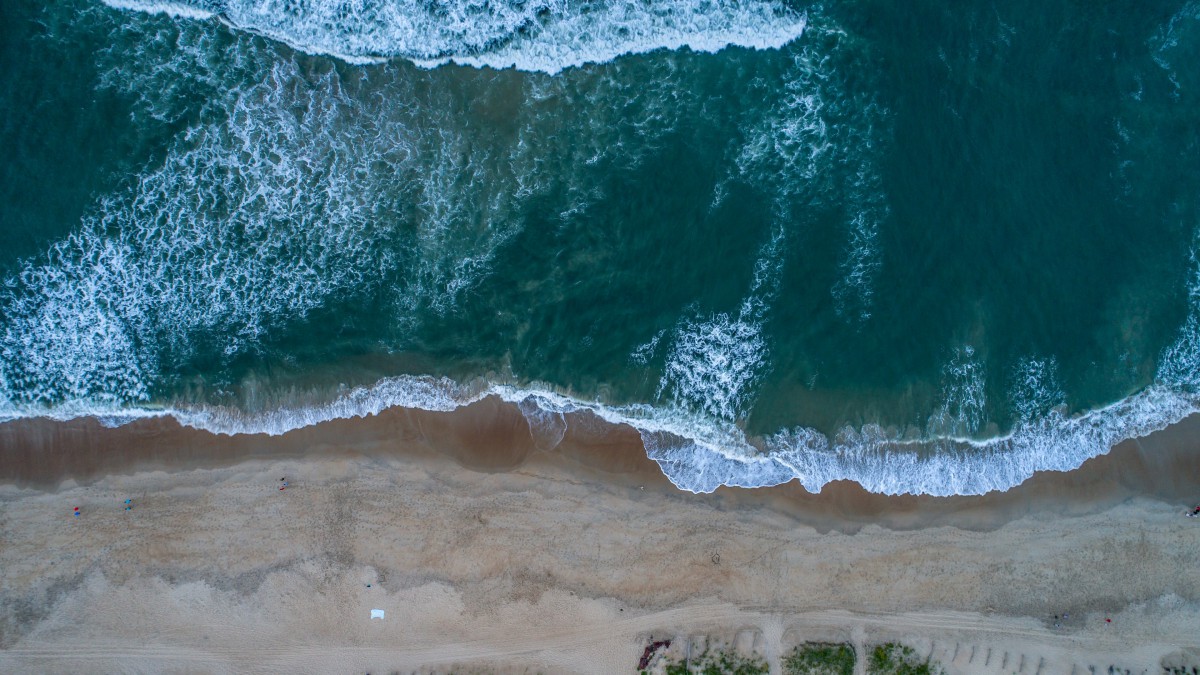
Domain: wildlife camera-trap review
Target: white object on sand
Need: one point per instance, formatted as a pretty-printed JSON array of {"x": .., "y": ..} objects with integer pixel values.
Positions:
[{"x": 377, "y": 614}]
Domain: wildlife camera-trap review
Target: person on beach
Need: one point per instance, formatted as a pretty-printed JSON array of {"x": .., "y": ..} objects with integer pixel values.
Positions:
[{"x": 1195, "y": 512}]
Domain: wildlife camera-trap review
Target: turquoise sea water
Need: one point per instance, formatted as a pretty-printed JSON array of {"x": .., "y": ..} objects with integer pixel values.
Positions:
[{"x": 929, "y": 246}]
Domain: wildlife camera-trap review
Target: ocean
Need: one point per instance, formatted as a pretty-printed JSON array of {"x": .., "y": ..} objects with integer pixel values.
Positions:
[{"x": 932, "y": 247}]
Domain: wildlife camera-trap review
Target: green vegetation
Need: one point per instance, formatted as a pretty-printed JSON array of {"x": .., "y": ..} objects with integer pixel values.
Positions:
[
  {"x": 719, "y": 663},
  {"x": 819, "y": 658},
  {"x": 892, "y": 658}
]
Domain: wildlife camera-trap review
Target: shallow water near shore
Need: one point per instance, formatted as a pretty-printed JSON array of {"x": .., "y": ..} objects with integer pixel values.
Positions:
[{"x": 932, "y": 250}]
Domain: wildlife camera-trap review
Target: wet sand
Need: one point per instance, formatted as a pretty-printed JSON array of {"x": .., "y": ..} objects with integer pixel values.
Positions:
[
  {"x": 492, "y": 436},
  {"x": 488, "y": 552}
]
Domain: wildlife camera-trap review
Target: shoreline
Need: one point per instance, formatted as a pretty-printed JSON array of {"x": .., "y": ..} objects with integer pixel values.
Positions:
[
  {"x": 570, "y": 560},
  {"x": 697, "y": 453},
  {"x": 492, "y": 436}
]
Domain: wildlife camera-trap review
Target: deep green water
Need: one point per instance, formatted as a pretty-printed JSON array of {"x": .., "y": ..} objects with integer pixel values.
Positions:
[{"x": 930, "y": 246}]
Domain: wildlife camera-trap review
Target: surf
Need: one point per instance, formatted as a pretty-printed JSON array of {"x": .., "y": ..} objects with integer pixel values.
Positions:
[{"x": 545, "y": 35}]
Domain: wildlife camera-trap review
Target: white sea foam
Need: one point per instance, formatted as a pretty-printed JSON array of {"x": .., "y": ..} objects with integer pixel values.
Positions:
[
  {"x": 714, "y": 364},
  {"x": 643, "y": 353},
  {"x": 700, "y": 450},
  {"x": 854, "y": 292},
  {"x": 716, "y": 361},
  {"x": 289, "y": 194},
  {"x": 1174, "y": 45},
  {"x": 222, "y": 243},
  {"x": 1179, "y": 365},
  {"x": 406, "y": 392},
  {"x": 1036, "y": 389},
  {"x": 817, "y": 146},
  {"x": 867, "y": 211},
  {"x": 178, "y": 9},
  {"x": 175, "y": 69},
  {"x": 699, "y": 453},
  {"x": 212, "y": 249},
  {"x": 964, "y": 397},
  {"x": 790, "y": 145},
  {"x": 541, "y": 35}
]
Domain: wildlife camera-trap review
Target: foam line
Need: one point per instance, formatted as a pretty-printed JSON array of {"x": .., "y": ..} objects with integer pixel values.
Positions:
[
  {"x": 177, "y": 9},
  {"x": 699, "y": 454},
  {"x": 540, "y": 35}
]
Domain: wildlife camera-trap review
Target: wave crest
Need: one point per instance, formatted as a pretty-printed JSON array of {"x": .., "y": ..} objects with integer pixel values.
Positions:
[
  {"x": 700, "y": 453},
  {"x": 535, "y": 35}
]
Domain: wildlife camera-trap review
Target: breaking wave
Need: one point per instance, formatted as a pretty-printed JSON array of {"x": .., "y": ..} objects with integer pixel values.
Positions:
[
  {"x": 540, "y": 35},
  {"x": 715, "y": 362},
  {"x": 700, "y": 452}
]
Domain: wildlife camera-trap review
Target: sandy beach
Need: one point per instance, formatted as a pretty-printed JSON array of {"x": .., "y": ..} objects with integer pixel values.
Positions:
[{"x": 488, "y": 554}]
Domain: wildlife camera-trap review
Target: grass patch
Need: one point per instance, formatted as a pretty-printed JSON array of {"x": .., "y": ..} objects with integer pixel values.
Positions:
[
  {"x": 719, "y": 663},
  {"x": 892, "y": 658},
  {"x": 819, "y": 658}
]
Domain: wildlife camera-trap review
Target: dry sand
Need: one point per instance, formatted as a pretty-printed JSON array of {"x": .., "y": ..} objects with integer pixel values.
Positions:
[{"x": 488, "y": 554}]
